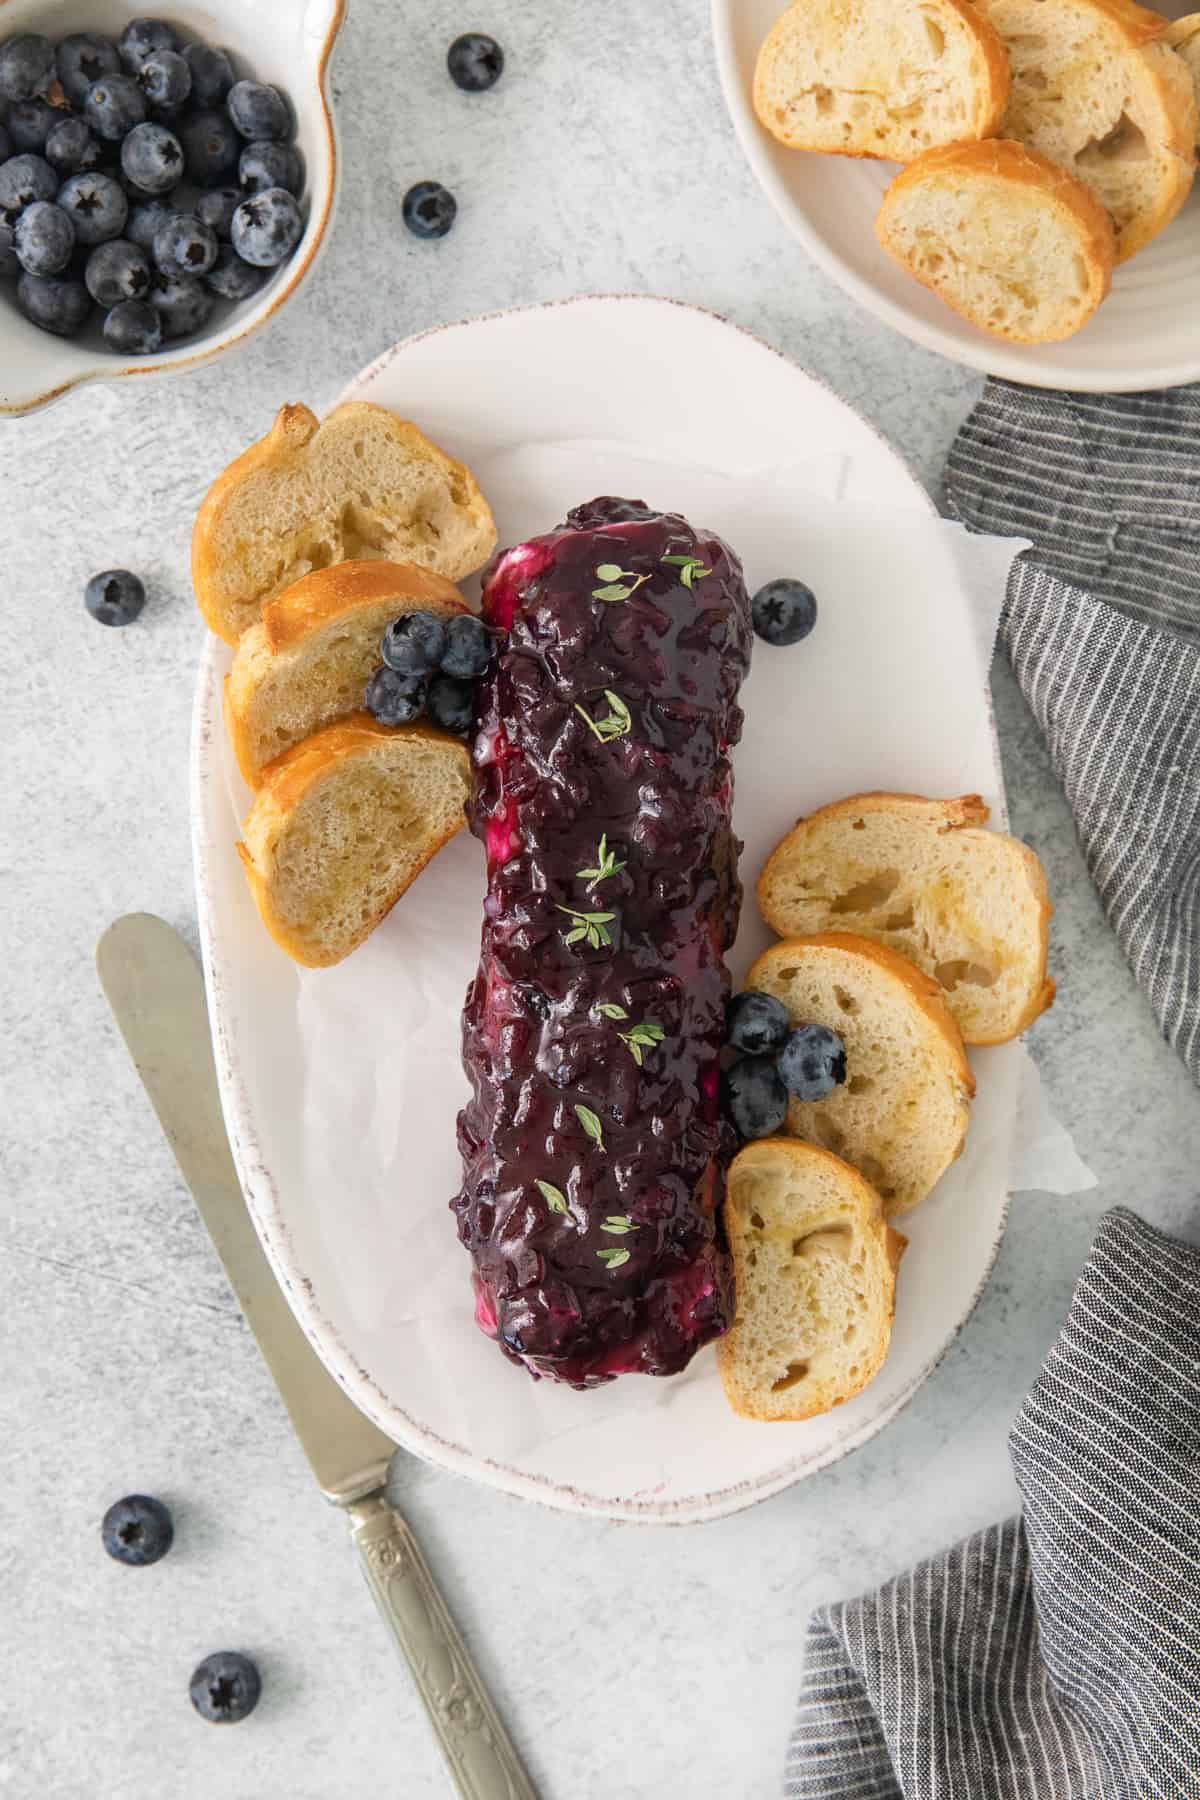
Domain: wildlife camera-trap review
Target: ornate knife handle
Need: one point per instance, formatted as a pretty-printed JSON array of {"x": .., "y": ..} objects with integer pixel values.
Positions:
[{"x": 478, "y": 1751}]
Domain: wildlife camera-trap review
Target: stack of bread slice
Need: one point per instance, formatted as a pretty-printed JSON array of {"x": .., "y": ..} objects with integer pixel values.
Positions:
[
  {"x": 1046, "y": 140},
  {"x": 304, "y": 551},
  {"x": 910, "y": 931}
]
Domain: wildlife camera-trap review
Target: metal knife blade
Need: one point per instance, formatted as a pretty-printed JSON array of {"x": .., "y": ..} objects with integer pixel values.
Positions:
[{"x": 156, "y": 991}]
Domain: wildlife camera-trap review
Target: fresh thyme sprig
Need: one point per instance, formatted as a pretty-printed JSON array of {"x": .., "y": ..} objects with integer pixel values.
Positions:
[
  {"x": 642, "y": 1037},
  {"x": 689, "y": 568},
  {"x": 606, "y": 866},
  {"x": 614, "y": 578},
  {"x": 591, "y": 1124},
  {"x": 613, "y": 1258},
  {"x": 616, "y": 723},
  {"x": 618, "y": 1225},
  {"x": 554, "y": 1197},
  {"x": 592, "y": 926}
]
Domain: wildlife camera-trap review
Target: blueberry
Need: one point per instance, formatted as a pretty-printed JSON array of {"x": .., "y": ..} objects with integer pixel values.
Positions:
[
  {"x": 144, "y": 223},
  {"x": 270, "y": 165},
  {"x": 114, "y": 105},
  {"x": 52, "y": 304},
  {"x": 813, "y": 1062},
  {"x": 756, "y": 1024},
  {"x": 133, "y": 328},
  {"x": 9, "y": 266},
  {"x": 152, "y": 158},
  {"x": 24, "y": 61},
  {"x": 470, "y": 648},
  {"x": 216, "y": 209},
  {"x": 258, "y": 111},
  {"x": 755, "y": 1097},
  {"x": 30, "y": 123},
  {"x": 475, "y": 62},
  {"x": 165, "y": 79},
  {"x": 232, "y": 278},
  {"x": 395, "y": 699},
  {"x": 24, "y": 179},
  {"x": 451, "y": 704},
  {"x": 45, "y": 238},
  {"x": 72, "y": 146},
  {"x": 415, "y": 643},
  {"x": 183, "y": 246},
  {"x": 211, "y": 71},
  {"x": 784, "y": 611},
  {"x": 429, "y": 209},
  {"x": 225, "y": 1687},
  {"x": 116, "y": 271},
  {"x": 137, "y": 1530},
  {"x": 182, "y": 302},
  {"x": 211, "y": 147},
  {"x": 81, "y": 59},
  {"x": 266, "y": 228},
  {"x": 140, "y": 38},
  {"x": 97, "y": 206}
]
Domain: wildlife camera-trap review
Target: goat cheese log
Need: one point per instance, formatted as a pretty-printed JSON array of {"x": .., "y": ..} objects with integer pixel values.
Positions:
[{"x": 594, "y": 1149}]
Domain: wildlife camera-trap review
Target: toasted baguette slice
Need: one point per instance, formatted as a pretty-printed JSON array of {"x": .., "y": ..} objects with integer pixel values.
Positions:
[
  {"x": 1007, "y": 238},
  {"x": 1184, "y": 38},
  {"x": 815, "y": 1276},
  {"x": 363, "y": 483},
  {"x": 1097, "y": 88},
  {"x": 343, "y": 824},
  {"x": 901, "y": 1115},
  {"x": 308, "y": 659},
  {"x": 883, "y": 78},
  {"x": 968, "y": 906}
]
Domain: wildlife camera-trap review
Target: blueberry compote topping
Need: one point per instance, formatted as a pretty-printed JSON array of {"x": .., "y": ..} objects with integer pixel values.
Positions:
[{"x": 594, "y": 1149}]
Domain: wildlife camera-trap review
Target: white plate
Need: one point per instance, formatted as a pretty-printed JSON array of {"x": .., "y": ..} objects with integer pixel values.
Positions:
[
  {"x": 1144, "y": 336},
  {"x": 348, "y": 1163}
]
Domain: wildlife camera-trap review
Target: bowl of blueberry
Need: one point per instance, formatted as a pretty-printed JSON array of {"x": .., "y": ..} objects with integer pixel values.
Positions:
[{"x": 165, "y": 182}]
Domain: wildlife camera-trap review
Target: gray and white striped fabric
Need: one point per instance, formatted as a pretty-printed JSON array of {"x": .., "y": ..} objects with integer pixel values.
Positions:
[
  {"x": 1056, "y": 1657},
  {"x": 1102, "y": 625}
]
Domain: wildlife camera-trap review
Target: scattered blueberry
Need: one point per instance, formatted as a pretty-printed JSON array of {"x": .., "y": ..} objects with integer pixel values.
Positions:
[
  {"x": 756, "y": 1097},
  {"x": 396, "y": 699},
  {"x": 30, "y": 123},
  {"x": 266, "y": 228},
  {"x": 45, "y": 238},
  {"x": 813, "y": 1062},
  {"x": 216, "y": 209},
  {"x": 429, "y": 209},
  {"x": 270, "y": 165},
  {"x": 211, "y": 147},
  {"x": 116, "y": 271},
  {"x": 183, "y": 246},
  {"x": 152, "y": 158},
  {"x": 784, "y": 611},
  {"x": 144, "y": 223},
  {"x": 475, "y": 62},
  {"x": 415, "y": 643},
  {"x": 756, "y": 1024},
  {"x": 81, "y": 59},
  {"x": 225, "y": 1687},
  {"x": 114, "y": 105},
  {"x": 137, "y": 1530},
  {"x": 9, "y": 266},
  {"x": 258, "y": 111},
  {"x": 140, "y": 38},
  {"x": 232, "y": 278},
  {"x": 470, "y": 648},
  {"x": 72, "y": 146},
  {"x": 165, "y": 79},
  {"x": 451, "y": 704},
  {"x": 133, "y": 328},
  {"x": 211, "y": 71},
  {"x": 97, "y": 206},
  {"x": 24, "y": 179},
  {"x": 24, "y": 60},
  {"x": 53, "y": 304},
  {"x": 182, "y": 302}
]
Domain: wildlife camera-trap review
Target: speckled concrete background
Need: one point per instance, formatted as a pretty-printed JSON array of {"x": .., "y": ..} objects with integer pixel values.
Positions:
[{"x": 631, "y": 1662}]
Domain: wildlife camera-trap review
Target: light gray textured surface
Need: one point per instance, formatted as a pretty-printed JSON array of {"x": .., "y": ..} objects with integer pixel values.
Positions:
[{"x": 630, "y": 1661}]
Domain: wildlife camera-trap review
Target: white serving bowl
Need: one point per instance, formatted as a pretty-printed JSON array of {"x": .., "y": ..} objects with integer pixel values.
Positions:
[{"x": 286, "y": 42}]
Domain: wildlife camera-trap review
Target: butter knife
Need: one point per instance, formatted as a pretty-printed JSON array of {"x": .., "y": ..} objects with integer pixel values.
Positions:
[{"x": 154, "y": 986}]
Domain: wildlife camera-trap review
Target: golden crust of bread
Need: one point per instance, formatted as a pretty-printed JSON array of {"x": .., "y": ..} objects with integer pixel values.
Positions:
[{"x": 1183, "y": 35}]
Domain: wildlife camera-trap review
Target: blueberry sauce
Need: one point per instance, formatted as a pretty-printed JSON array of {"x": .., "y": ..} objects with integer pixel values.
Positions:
[{"x": 594, "y": 1150}]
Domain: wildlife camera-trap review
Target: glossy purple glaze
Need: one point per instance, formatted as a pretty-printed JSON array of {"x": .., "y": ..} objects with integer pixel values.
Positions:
[{"x": 553, "y": 1286}]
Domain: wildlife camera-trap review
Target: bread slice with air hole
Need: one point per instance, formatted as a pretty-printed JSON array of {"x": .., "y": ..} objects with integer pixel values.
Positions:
[
  {"x": 308, "y": 659},
  {"x": 1097, "y": 88},
  {"x": 901, "y": 1115},
  {"x": 362, "y": 483},
  {"x": 884, "y": 78},
  {"x": 1183, "y": 35},
  {"x": 343, "y": 824},
  {"x": 815, "y": 1281},
  {"x": 1010, "y": 240},
  {"x": 968, "y": 906}
]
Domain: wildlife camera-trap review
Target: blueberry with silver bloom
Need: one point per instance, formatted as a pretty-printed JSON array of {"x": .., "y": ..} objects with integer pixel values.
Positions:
[
  {"x": 116, "y": 271},
  {"x": 24, "y": 61},
  {"x": 9, "y": 265},
  {"x": 141, "y": 37},
  {"x": 756, "y": 1024},
  {"x": 232, "y": 278},
  {"x": 114, "y": 105},
  {"x": 136, "y": 1530},
  {"x": 258, "y": 111},
  {"x": 396, "y": 699},
  {"x": 470, "y": 648},
  {"x": 30, "y": 123},
  {"x": 165, "y": 79},
  {"x": 475, "y": 62},
  {"x": 755, "y": 1097},
  {"x": 211, "y": 147},
  {"x": 211, "y": 72},
  {"x": 24, "y": 179},
  {"x": 133, "y": 328},
  {"x": 784, "y": 611},
  {"x": 225, "y": 1687},
  {"x": 415, "y": 643},
  {"x": 451, "y": 704},
  {"x": 266, "y": 228},
  {"x": 97, "y": 206},
  {"x": 72, "y": 146},
  {"x": 81, "y": 59},
  {"x": 429, "y": 209},
  {"x": 268, "y": 165},
  {"x": 217, "y": 207},
  {"x": 182, "y": 302},
  {"x": 52, "y": 304},
  {"x": 183, "y": 246},
  {"x": 144, "y": 223},
  {"x": 152, "y": 158},
  {"x": 45, "y": 238},
  {"x": 813, "y": 1062}
]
